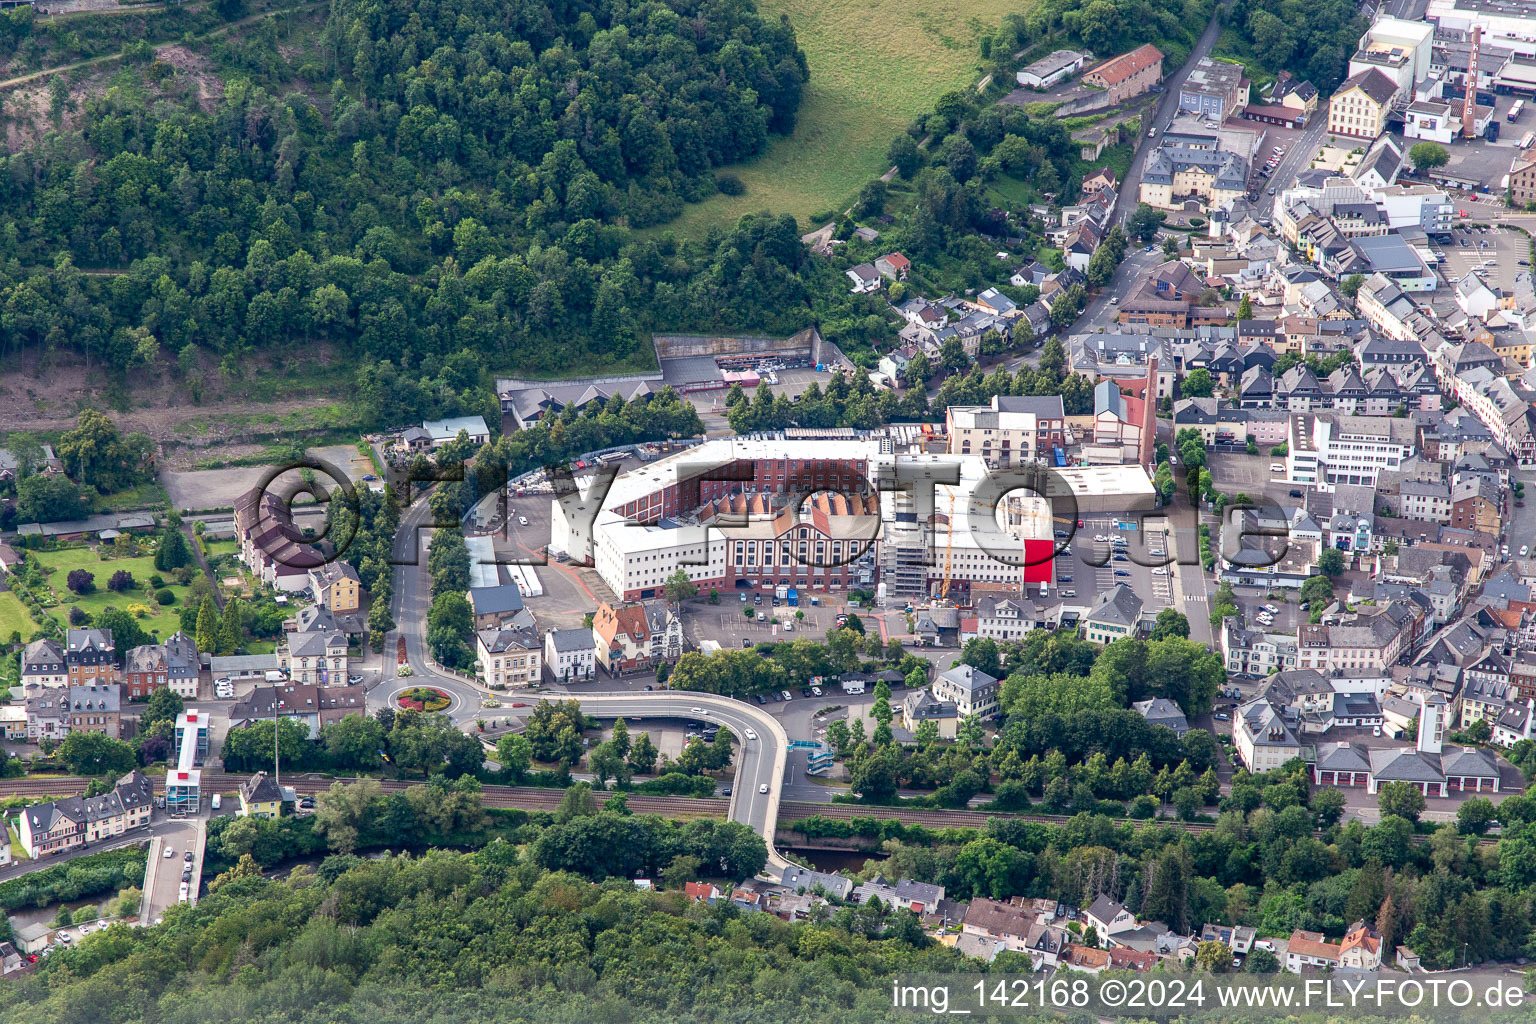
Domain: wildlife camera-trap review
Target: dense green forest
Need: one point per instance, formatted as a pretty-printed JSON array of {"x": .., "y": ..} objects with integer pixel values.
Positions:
[
  {"x": 1312, "y": 39},
  {"x": 489, "y": 936},
  {"x": 409, "y": 181}
]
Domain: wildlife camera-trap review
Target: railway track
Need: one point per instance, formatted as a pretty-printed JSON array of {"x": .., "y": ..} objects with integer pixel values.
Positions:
[
  {"x": 944, "y": 818},
  {"x": 531, "y": 798}
]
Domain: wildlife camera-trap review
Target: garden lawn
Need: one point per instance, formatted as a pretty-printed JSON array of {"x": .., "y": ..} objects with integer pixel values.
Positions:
[
  {"x": 213, "y": 549},
  {"x": 14, "y": 617},
  {"x": 875, "y": 65},
  {"x": 161, "y": 621}
]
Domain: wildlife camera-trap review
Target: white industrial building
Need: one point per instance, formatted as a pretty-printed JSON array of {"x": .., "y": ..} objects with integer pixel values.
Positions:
[
  {"x": 1510, "y": 24},
  {"x": 727, "y": 513},
  {"x": 1398, "y": 49}
]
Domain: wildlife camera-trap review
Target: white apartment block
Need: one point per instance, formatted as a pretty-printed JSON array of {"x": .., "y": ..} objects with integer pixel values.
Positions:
[{"x": 1329, "y": 448}]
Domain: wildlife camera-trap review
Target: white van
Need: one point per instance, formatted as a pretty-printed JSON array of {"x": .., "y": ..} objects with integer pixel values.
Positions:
[
  {"x": 216, "y": 801},
  {"x": 275, "y": 676}
]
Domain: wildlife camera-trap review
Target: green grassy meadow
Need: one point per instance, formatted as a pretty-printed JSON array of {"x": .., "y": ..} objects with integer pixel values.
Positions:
[
  {"x": 162, "y": 621},
  {"x": 875, "y": 66},
  {"x": 14, "y": 617}
]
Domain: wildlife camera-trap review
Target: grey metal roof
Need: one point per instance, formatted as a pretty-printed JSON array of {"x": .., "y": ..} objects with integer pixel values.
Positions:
[
  {"x": 568, "y": 640},
  {"x": 1119, "y": 606}
]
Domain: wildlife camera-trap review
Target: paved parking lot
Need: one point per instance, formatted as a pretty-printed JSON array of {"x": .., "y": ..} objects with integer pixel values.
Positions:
[
  {"x": 1496, "y": 255},
  {"x": 727, "y": 624},
  {"x": 1091, "y": 566},
  {"x": 1287, "y": 612},
  {"x": 164, "y": 888},
  {"x": 1487, "y": 162},
  {"x": 570, "y": 591},
  {"x": 1240, "y": 473}
]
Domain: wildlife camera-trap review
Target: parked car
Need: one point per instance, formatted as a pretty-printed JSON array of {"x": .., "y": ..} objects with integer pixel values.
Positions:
[
  {"x": 761, "y": 699},
  {"x": 784, "y": 694},
  {"x": 1121, "y": 572},
  {"x": 725, "y": 791},
  {"x": 522, "y": 520},
  {"x": 816, "y": 691},
  {"x": 1222, "y": 716},
  {"x": 188, "y": 857},
  {"x": 307, "y": 803}
]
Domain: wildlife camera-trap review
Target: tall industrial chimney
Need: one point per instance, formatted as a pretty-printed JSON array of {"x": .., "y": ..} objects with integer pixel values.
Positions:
[{"x": 1469, "y": 108}]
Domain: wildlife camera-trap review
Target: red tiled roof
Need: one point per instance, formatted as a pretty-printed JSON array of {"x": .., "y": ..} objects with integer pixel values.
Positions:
[{"x": 1118, "y": 69}]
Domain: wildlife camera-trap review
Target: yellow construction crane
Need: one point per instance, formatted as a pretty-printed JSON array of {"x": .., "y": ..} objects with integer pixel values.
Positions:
[{"x": 949, "y": 549}]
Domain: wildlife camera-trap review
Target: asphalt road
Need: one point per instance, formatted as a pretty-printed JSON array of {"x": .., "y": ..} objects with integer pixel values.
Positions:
[
  {"x": 760, "y": 759},
  {"x": 1298, "y": 156},
  {"x": 1162, "y": 116}
]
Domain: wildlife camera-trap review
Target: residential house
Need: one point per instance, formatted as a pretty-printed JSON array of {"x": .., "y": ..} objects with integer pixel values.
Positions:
[
  {"x": 634, "y": 637},
  {"x": 1309, "y": 950},
  {"x": 1020, "y": 930},
  {"x": 42, "y": 664},
  {"x": 317, "y": 656},
  {"x": 63, "y": 825},
  {"x": 1214, "y": 90},
  {"x": 271, "y": 545},
  {"x": 1003, "y": 618},
  {"x": 90, "y": 656},
  {"x": 569, "y": 654},
  {"x": 1107, "y": 918},
  {"x": 310, "y": 706},
  {"x": 799, "y": 879},
  {"x": 921, "y": 706},
  {"x": 47, "y": 713},
  {"x": 498, "y": 606},
  {"x": 440, "y": 432},
  {"x": 260, "y": 797},
  {"x": 972, "y": 691},
  {"x": 1263, "y": 738},
  {"x": 336, "y": 586},
  {"x": 1239, "y": 938},
  {"x": 508, "y": 657},
  {"x": 96, "y": 707},
  {"x": 865, "y": 278},
  {"x": 1361, "y": 948},
  {"x": 893, "y": 266},
  {"x": 995, "y": 302},
  {"x": 1475, "y": 505},
  {"x": 1164, "y": 712},
  {"x": 174, "y": 663},
  {"x": 52, "y": 827},
  {"x": 1116, "y": 613},
  {"x": 1099, "y": 180}
]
